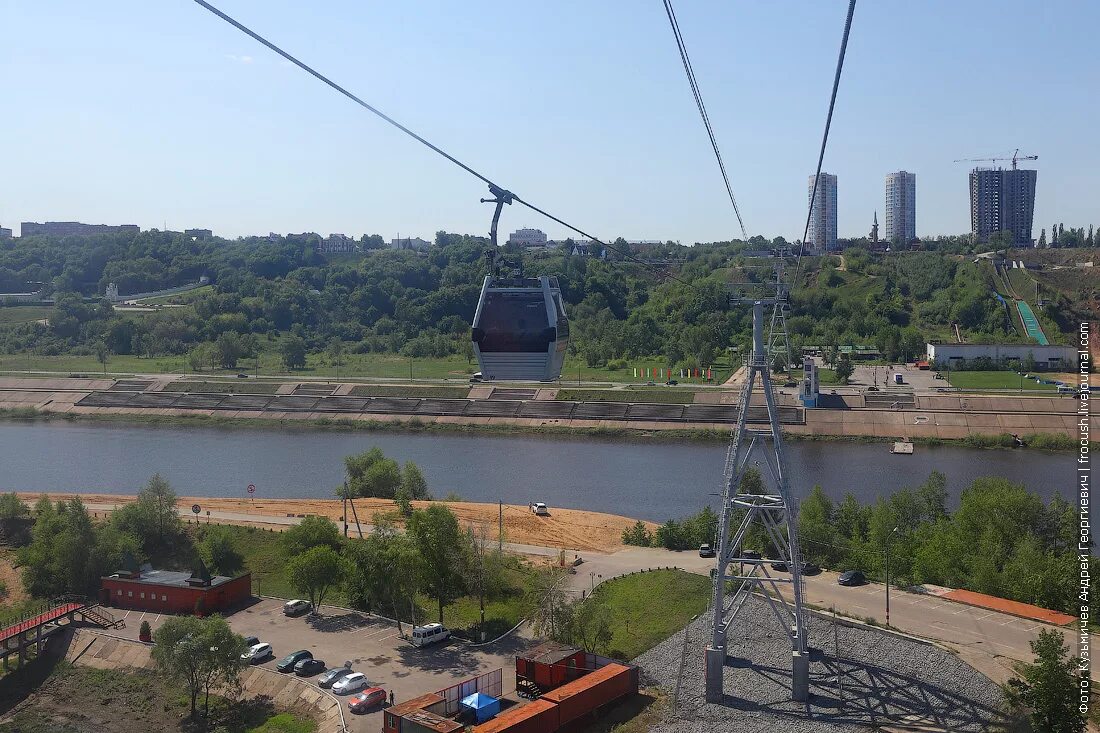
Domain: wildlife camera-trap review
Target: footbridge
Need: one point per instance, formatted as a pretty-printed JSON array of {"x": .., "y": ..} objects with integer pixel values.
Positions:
[{"x": 24, "y": 637}]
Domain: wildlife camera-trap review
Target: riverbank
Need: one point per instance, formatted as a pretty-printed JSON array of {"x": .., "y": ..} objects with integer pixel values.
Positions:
[
  {"x": 1047, "y": 442},
  {"x": 572, "y": 529}
]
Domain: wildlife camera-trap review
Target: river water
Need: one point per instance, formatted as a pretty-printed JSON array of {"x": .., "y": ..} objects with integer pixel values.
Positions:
[{"x": 648, "y": 479}]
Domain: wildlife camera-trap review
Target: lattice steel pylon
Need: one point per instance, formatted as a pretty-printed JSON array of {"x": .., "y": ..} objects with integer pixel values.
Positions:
[
  {"x": 778, "y": 342},
  {"x": 774, "y": 512}
]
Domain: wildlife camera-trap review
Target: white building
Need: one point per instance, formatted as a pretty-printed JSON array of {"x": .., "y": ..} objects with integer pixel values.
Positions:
[
  {"x": 822, "y": 236},
  {"x": 901, "y": 207},
  {"x": 528, "y": 238},
  {"x": 1055, "y": 358},
  {"x": 337, "y": 243},
  {"x": 414, "y": 243}
]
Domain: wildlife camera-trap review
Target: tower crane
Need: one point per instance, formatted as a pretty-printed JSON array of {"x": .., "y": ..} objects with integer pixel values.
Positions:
[{"x": 1015, "y": 157}]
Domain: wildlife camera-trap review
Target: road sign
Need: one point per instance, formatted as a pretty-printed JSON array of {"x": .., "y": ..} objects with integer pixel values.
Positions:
[
  {"x": 252, "y": 488},
  {"x": 196, "y": 508}
]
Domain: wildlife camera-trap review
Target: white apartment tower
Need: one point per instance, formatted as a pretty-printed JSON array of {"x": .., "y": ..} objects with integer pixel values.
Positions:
[
  {"x": 822, "y": 235},
  {"x": 901, "y": 207}
]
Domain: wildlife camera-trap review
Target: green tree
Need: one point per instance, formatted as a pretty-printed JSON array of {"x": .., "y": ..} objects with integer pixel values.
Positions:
[
  {"x": 1047, "y": 690},
  {"x": 590, "y": 626},
  {"x": 335, "y": 352},
  {"x": 293, "y": 350},
  {"x": 548, "y": 598},
  {"x": 382, "y": 573},
  {"x": 371, "y": 474},
  {"x": 638, "y": 535},
  {"x": 228, "y": 349},
  {"x": 201, "y": 653},
  {"x": 844, "y": 369},
  {"x": 218, "y": 552},
  {"x": 14, "y": 520},
  {"x": 309, "y": 533},
  {"x": 413, "y": 482},
  {"x": 154, "y": 517},
  {"x": 60, "y": 558},
  {"x": 438, "y": 540},
  {"x": 815, "y": 529},
  {"x": 315, "y": 572},
  {"x": 102, "y": 355}
]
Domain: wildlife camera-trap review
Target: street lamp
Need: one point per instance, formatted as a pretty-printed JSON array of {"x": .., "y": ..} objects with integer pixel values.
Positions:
[{"x": 888, "y": 538}]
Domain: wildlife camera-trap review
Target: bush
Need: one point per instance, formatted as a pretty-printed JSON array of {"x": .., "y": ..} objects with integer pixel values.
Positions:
[{"x": 638, "y": 535}]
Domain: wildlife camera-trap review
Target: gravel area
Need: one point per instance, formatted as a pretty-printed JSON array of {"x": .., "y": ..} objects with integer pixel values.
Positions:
[{"x": 883, "y": 679}]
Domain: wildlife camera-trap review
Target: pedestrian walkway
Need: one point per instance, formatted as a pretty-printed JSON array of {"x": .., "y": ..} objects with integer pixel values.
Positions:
[
  {"x": 1013, "y": 608},
  {"x": 41, "y": 619}
]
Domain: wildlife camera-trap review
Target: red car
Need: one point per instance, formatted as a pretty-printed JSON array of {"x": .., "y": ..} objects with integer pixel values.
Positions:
[{"x": 366, "y": 699}]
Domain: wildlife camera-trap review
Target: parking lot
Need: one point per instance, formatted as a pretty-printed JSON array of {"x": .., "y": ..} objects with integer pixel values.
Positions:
[{"x": 370, "y": 644}]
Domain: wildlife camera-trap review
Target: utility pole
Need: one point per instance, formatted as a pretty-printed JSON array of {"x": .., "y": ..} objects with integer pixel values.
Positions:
[
  {"x": 500, "y": 525},
  {"x": 888, "y": 538}
]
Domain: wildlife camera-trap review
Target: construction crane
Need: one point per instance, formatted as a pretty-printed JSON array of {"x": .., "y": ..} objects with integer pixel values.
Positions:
[{"x": 1015, "y": 157}]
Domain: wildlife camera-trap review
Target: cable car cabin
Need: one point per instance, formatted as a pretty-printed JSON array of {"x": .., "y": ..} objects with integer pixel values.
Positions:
[{"x": 520, "y": 331}]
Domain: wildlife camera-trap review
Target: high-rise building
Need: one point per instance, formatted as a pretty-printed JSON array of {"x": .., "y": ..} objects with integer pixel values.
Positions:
[
  {"x": 1002, "y": 200},
  {"x": 822, "y": 235},
  {"x": 901, "y": 207}
]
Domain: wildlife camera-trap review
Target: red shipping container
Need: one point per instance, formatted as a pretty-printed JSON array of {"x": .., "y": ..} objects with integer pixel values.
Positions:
[
  {"x": 581, "y": 696},
  {"x": 539, "y": 716},
  {"x": 552, "y": 669}
]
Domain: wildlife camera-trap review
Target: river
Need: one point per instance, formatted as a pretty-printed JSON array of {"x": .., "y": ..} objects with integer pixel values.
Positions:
[{"x": 649, "y": 479}]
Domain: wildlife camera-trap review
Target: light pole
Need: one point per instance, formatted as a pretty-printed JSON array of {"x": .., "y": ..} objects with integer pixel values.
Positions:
[{"x": 889, "y": 537}]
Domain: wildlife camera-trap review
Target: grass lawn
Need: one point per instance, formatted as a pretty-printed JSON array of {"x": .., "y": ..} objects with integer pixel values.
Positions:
[
  {"x": 670, "y": 395},
  {"x": 23, "y": 314},
  {"x": 382, "y": 390},
  {"x": 242, "y": 386},
  {"x": 74, "y": 699},
  {"x": 639, "y": 624},
  {"x": 995, "y": 380}
]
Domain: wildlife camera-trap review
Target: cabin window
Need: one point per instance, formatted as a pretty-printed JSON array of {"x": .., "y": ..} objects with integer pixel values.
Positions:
[
  {"x": 143, "y": 596},
  {"x": 120, "y": 591},
  {"x": 129, "y": 594},
  {"x": 164, "y": 598}
]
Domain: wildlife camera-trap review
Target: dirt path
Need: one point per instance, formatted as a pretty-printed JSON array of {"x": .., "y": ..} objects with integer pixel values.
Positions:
[{"x": 565, "y": 528}]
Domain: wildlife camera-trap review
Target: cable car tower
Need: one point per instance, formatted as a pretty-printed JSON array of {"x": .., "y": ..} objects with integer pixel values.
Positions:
[
  {"x": 773, "y": 511},
  {"x": 778, "y": 342}
]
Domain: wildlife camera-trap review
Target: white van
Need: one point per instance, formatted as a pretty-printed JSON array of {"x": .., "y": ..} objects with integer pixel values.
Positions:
[{"x": 429, "y": 634}]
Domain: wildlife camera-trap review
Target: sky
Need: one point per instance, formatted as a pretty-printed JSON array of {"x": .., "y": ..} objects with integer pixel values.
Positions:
[{"x": 162, "y": 115}]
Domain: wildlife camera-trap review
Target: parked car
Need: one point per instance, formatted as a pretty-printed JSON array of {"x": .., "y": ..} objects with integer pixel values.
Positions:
[
  {"x": 351, "y": 683},
  {"x": 251, "y": 640},
  {"x": 242, "y": 375},
  {"x": 257, "y": 653},
  {"x": 475, "y": 377},
  {"x": 366, "y": 699},
  {"x": 781, "y": 566},
  {"x": 938, "y": 376},
  {"x": 810, "y": 569},
  {"x": 851, "y": 577},
  {"x": 706, "y": 550},
  {"x": 331, "y": 677},
  {"x": 750, "y": 555},
  {"x": 296, "y": 607},
  {"x": 429, "y": 634},
  {"x": 541, "y": 509},
  {"x": 309, "y": 667},
  {"x": 287, "y": 663}
]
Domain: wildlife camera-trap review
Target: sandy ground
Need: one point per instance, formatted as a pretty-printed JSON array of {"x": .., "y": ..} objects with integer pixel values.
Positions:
[{"x": 572, "y": 529}]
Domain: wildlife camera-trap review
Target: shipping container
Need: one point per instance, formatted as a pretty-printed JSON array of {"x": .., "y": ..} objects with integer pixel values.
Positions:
[
  {"x": 581, "y": 696},
  {"x": 392, "y": 718},
  {"x": 550, "y": 666},
  {"x": 539, "y": 716}
]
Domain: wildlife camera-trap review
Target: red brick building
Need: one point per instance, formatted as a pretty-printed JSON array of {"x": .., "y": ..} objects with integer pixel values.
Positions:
[{"x": 171, "y": 591}]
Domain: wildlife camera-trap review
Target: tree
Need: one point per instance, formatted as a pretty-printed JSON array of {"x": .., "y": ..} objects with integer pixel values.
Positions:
[
  {"x": 154, "y": 518},
  {"x": 1043, "y": 238},
  {"x": 15, "y": 521},
  {"x": 336, "y": 354},
  {"x": 371, "y": 474},
  {"x": 315, "y": 572},
  {"x": 202, "y": 653},
  {"x": 293, "y": 350},
  {"x": 438, "y": 540},
  {"x": 102, "y": 355},
  {"x": 229, "y": 349},
  {"x": 309, "y": 533},
  {"x": 382, "y": 573},
  {"x": 844, "y": 369},
  {"x": 815, "y": 529},
  {"x": 413, "y": 482},
  {"x": 218, "y": 552},
  {"x": 1048, "y": 689},
  {"x": 779, "y": 364},
  {"x": 933, "y": 495},
  {"x": 550, "y": 601},
  {"x": 485, "y": 567},
  {"x": 638, "y": 535},
  {"x": 60, "y": 558},
  {"x": 590, "y": 626}
]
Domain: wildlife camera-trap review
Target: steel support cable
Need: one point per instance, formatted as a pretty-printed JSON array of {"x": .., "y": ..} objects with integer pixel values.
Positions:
[
  {"x": 374, "y": 110},
  {"x": 825, "y": 136},
  {"x": 690, "y": 71}
]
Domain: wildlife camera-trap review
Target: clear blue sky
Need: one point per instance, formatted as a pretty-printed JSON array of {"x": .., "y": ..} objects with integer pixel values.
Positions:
[{"x": 134, "y": 111}]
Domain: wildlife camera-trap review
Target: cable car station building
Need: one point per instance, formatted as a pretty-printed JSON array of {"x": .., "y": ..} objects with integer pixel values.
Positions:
[{"x": 172, "y": 591}]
